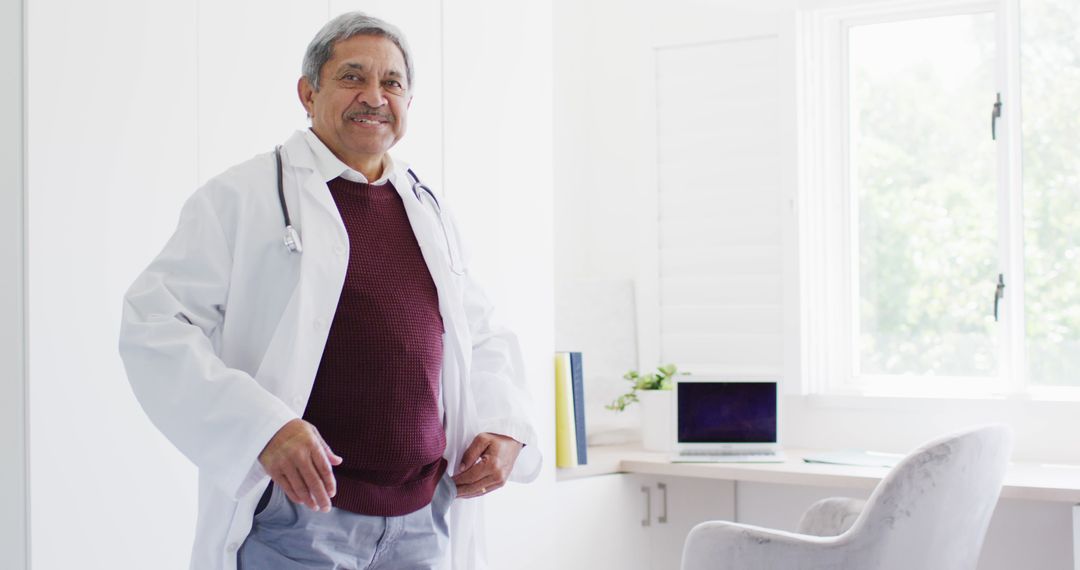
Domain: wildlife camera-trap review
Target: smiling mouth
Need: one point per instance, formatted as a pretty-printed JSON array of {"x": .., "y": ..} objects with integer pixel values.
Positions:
[{"x": 368, "y": 119}]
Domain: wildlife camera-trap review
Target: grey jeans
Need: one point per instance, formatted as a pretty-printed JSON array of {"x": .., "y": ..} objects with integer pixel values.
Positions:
[{"x": 287, "y": 536}]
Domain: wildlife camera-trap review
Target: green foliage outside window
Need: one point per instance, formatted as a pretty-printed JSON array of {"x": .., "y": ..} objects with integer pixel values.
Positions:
[
  {"x": 1050, "y": 78},
  {"x": 925, "y": 180}
]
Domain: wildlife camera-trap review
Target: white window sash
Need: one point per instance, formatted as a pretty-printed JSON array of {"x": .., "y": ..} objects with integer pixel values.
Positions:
[
  {"x": 1010, "y": 201},
  {"x": 827, "y": 213}
]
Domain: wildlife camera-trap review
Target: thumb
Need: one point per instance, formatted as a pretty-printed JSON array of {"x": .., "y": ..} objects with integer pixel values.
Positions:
[{"x": 472, "y": 453}]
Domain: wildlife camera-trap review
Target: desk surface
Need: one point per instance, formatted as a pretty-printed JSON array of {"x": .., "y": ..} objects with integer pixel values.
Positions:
[{"x": 1028, "y": 481}]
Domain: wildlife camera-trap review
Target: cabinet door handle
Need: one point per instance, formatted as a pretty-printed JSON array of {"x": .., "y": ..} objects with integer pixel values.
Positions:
[
  {"x": 662, "y": 519},
  {"x": 648, "y": 506}
]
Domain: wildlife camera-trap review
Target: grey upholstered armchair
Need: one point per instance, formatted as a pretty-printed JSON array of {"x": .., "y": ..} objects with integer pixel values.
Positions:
[{"x": 930, "y": 512}]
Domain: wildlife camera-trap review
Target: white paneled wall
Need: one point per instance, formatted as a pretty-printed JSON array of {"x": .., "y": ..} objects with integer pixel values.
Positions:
[
  {"x": 499, "y": 178},
  {"x": 248, "y": 63},
  {"x": 719, "y": 197},
  {"x": 132, "y": 104},
  {"x": 111, "y": 148}
]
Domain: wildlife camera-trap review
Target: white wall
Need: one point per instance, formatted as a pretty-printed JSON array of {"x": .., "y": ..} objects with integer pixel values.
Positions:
[
  {"x": 13, "y": 481},
  {"x": 247, "y": 63},
  {"x": 607, "y": 176},
  {"x": 603, "y": 150},
  {"x": 498, "y": 119},
  {"x": 112, "y": 131}
]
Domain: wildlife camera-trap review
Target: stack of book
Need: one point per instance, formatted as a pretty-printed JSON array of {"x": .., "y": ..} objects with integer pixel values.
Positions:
[{"x": 570, "y": 444}]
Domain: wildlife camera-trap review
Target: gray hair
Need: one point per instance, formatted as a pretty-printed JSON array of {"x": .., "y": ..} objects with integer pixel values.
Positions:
[{"x": 345, "y": 26}]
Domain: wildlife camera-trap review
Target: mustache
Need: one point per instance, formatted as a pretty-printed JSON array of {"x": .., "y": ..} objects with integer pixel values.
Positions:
[{"x": 365, "y": 110}]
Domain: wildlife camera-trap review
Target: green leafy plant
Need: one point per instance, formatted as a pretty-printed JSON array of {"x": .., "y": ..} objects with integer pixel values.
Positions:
[{"x": 659, "y": 380}]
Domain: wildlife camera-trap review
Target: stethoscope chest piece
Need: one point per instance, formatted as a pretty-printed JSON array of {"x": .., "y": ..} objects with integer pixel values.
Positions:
[{"x": 292, "y": 240}]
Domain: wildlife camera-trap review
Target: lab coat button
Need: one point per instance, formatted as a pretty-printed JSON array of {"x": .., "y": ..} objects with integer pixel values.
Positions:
[
  {"x": 339, "y": 249},
  {"x": 233, "y": 547},
  {"x": 320, "y": 323}
]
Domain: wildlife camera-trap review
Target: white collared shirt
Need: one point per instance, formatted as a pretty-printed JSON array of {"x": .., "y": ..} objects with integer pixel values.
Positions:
[{"x": 331, "y": 167}]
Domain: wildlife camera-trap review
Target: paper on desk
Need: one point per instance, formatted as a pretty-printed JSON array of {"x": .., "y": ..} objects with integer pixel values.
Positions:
[{"x": 859, "y": 458}]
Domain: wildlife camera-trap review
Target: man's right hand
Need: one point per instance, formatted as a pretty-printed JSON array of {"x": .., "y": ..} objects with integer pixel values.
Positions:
[{"x": 299, "y": 461}]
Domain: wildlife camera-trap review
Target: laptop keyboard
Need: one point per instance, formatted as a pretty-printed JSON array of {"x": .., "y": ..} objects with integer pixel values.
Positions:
[
  {"x": 700, "y": 456},
  {"x": 704, "y": 452}
]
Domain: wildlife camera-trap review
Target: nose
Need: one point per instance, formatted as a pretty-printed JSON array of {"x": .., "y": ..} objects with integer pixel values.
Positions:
[{"x": 372, "y": 94}]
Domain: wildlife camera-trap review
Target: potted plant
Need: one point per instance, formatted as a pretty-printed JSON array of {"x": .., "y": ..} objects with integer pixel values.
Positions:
[{"x": 653, "y": 390}]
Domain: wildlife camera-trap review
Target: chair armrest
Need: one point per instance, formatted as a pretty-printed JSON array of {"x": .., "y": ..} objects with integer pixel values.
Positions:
[
  {"x": 830, "y": 517},
  {"x": 717, "y": 545}
]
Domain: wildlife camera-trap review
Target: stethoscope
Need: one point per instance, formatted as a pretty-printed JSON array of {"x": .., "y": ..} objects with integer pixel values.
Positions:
[{"x": 292, "y": 237}]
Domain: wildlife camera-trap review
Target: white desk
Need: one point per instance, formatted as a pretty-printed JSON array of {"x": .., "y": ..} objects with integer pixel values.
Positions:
[
  {"x": 1027, "y": 481},
  {"x": 1024, "y": 481}
]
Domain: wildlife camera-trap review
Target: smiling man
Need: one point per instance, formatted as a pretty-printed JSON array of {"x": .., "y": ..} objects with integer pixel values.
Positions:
[
  {"x": 341, "y": 391},
  {"x": 359, "y": 101}
]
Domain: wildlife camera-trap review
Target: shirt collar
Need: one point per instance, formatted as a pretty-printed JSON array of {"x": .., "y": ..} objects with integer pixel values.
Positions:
[{"x": 331, "y": 167}]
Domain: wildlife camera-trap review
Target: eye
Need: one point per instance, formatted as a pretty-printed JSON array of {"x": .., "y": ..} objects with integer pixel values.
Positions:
[
  {"x": 394, "y": 84},
  {"x": 350, "y": 77}
]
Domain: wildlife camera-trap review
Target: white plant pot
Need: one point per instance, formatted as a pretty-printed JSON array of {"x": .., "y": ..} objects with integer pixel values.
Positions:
[{"x": 655, "y": 419}]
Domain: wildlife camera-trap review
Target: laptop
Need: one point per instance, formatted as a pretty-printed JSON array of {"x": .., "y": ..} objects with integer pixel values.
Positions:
[{"x": 726, "y": 420}]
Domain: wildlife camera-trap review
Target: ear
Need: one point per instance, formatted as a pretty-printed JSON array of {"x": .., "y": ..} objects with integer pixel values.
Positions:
[{"x": 307, "y": 95}]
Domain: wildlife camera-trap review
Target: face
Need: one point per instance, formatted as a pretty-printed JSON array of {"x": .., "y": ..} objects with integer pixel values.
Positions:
[{"x": 363, "y": 99}]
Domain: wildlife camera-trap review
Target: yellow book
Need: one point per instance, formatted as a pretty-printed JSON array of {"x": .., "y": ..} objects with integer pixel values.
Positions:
[{"x": 565, "y": 434}]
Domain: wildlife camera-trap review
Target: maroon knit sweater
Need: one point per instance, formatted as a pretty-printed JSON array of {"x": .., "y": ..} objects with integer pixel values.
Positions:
[{"x": 375, "y": 398}]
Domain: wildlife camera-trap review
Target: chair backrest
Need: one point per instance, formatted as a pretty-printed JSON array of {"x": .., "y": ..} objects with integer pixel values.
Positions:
[{"x": 933, "y": 508}]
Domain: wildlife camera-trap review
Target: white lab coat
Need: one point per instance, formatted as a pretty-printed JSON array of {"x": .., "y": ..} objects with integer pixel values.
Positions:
[{"x": 223, "y": 333}]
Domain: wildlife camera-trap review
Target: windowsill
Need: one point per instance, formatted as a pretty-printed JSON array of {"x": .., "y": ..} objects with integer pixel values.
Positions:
[
  {"x": 894, "y": 400},
  {"x": 1043, "y": 428}
]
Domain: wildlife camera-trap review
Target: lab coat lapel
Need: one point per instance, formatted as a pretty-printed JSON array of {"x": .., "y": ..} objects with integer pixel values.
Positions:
[
  {"x": 295, "y": 350},
  {"x": 465, "y": 516},
  {"x": 457, "y": 353},
  {"x": 429, "y": 234}
]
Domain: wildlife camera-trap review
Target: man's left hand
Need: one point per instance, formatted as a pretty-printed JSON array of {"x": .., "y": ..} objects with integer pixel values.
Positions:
[{"x": 486, "y": 464}]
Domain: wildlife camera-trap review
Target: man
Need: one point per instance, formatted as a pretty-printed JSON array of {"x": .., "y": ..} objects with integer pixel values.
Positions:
[{"x": 341, "y": 390}]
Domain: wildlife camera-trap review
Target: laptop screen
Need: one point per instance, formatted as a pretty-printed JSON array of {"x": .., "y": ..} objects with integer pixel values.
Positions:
[{"x": 726, "y": 412}]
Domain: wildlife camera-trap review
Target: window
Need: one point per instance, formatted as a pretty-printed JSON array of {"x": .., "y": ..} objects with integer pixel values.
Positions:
[{"x": 940, "y": 198}]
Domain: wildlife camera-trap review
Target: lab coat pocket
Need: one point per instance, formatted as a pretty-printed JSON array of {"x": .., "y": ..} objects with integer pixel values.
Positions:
[{"x": 278, "y": 510}]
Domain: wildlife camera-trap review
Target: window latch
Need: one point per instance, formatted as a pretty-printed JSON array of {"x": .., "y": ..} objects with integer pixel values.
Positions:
[
  {"x": 994, "y": 117},
  {"x": 999, "y": 293}
]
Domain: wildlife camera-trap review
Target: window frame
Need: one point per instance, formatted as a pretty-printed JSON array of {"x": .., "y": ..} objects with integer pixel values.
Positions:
[{"x": 828, "y": 289}]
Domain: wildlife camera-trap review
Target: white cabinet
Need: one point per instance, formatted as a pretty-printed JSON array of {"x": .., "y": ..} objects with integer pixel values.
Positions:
[
  {"x": 632, "y": 522},
  {"x": 598, "y": 524},
  {"x": 678, "y": 504}
]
